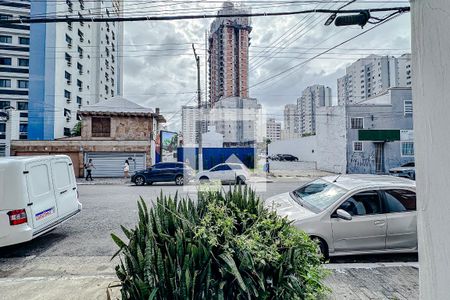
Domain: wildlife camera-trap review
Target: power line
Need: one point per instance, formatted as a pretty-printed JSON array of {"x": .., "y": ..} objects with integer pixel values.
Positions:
[{"x": 193, "y": 17}]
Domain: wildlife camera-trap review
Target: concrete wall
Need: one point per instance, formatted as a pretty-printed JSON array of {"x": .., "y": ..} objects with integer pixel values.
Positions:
[
  {"x": 123, "y": 128},
  {"x": 431, "y": 62},
  {"x": 331, "y": 139},
  {"x": 304, "y": 148}
]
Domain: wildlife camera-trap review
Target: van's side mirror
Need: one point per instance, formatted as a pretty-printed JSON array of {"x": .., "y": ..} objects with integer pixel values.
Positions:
[{"x": 342, "y": 214}]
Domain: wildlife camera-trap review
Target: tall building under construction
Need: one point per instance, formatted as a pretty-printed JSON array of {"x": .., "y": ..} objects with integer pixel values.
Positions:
[{"x": 229, "y": 41}]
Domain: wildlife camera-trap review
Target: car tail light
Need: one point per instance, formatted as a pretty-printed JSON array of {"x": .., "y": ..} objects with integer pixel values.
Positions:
[{"x": 17, "y": 217}]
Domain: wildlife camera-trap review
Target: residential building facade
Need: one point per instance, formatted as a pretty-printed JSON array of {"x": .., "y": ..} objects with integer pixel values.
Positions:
[
  {"x": 380, "y": 132},
  {"x": 273, "y": 129},
  {"x": 312, "y": 97},
  {"x": 72, "y": 64},
  {"x": 291, "y": 121},
  {"x": 14, "y": 74},
  {"x": 373, "y": 75},
  {"x": 228, "y": 49}
]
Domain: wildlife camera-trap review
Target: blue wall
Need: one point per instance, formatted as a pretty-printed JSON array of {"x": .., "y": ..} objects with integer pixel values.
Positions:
[
  {"x": 214, "y": 156},
  {"x": 41, "y": 115}
]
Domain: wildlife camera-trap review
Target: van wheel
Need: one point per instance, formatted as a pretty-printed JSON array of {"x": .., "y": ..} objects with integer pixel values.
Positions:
[
  {"x": 322, "y": 248},
  {"x": 140, "y": 180},
  {"x": 204, "y": 179},
  {"x": 179, "y": 180}
]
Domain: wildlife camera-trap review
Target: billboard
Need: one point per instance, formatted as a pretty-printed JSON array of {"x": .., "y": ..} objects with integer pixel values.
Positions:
[{"x": 168, "y": 146}]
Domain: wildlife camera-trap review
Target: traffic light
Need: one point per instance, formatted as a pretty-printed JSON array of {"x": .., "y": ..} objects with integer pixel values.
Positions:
[{"x": 359, "y": 19}]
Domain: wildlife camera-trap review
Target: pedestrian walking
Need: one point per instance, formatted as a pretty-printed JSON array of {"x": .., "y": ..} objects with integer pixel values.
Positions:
[
  {"x": 89, "y": 166},
  {"x": 126, "y": 169}
]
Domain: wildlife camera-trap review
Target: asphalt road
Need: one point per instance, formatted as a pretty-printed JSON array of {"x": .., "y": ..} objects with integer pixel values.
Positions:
[{"x": 106, "y": 207}]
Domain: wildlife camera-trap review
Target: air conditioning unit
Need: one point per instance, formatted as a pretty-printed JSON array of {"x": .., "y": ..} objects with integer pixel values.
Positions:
[
  {"x": 81, "y": 55},
  {"x": 80, "y": 89},
  {"x": 69, "y": 82},
  {"x": 68, "y": 118},
  {"x": 69, "y": 45},
  {"x": 81, "y": 72},
  {"x": 69, "y": 63},
  {"x": 68, "y": 100}
]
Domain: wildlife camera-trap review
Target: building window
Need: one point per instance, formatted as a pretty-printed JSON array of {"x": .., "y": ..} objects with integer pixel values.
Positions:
[
  {"x": 5, "y": 83},
  {"x": 2, "y": 131},
  {"x": 5, "y": 17},
  {"x": 22, "y": 84},
  {"x": 67, "y": 94},
  {"x": 24, "y": 40},
  {"x": 69, "y": 41},
  {"x": 7, "y": 39},
  {"x": 407, "y": 148},
  {"x": 68, "y": 77},
  {"x": 23, "y": 131},
  {"x": 357, "y": 146},
  {"x": 81, "y": 35},
  {"x": 22, "y": 105},
  {"x": 357, "y": 123},
  {"x": 6, "y": 61},
  {"x": 80, "y": 85},
  {"x": 24, "y": 62},
  {"x": 80, "y": 52},
  {"x": 408, "y": 107},
  {"x": 4, "y": 104},
  {"x": 80, "y": 68},
  {"x": 67, "y": 132},
  {"x": 79, "y": 100},
  {"x": 68, "y": 59},
  {"x": 101, "y": 127}
]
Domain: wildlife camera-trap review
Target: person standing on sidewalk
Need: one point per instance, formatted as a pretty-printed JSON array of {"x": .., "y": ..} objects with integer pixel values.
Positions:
[
  {"x": 89, "y": 166},
  {"x": 126, "y": 169}
]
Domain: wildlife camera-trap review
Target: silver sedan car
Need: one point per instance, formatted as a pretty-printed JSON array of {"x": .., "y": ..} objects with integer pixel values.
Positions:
[{"x": 354, "y": 214}]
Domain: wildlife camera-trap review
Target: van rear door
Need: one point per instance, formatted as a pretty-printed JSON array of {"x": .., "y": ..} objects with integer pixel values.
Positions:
[
  {"x": 42, "y": 200},
  {"x": 65, "y": 186}
]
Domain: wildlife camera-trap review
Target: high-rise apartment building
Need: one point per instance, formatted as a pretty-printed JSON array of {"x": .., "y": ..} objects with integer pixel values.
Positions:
[
  {"x": 273, "y": 129},
  {"x": 312, "y": 97},
  {"x": 229, "y": 43},
  {"x": 291, "y": 120},
  {"x": 373, "y": 75},
  {"x": 72, "y": 64},
  {"x": 14, "y": 62}
]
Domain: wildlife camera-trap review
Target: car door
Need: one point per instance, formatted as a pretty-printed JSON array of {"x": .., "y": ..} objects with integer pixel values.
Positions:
[
  {"x": 227, "y": 174},
  {"x": 367, "y": 229},
  {"x": 157, "y": 173},
  {"x": 400, "y": 206},
  {"x": 40, "y": 190},
  {"x": 65, "y": 187}
]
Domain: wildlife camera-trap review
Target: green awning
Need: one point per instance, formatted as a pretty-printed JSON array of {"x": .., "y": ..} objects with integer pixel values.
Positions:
[{"x": 379, "y": 135}]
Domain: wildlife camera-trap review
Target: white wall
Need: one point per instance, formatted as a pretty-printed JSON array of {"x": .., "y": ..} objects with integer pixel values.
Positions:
[
  {"x": 431, "y": 94},
  {"x": 304, "y": 148},
  {"x": 331, "y": 139}
]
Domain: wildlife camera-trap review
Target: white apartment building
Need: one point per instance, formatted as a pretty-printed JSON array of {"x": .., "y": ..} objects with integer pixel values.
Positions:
[
  {"x": 373, "y": 75},
  {"x": 72, "y": 64},
  {"x": 273, "y": 129},
  {"x": 291, "y": 121},
  {"x": 14, "y": 63},
  {"x": 312, "y": 97},
  {"x": 238, "y": 120}
]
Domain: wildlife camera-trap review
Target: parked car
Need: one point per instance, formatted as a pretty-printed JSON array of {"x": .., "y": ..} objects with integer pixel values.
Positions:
[
  {"x": 177, "y": 172},
  {"x": 354, "y": 214},
  {"x": 407, "y": 170},
  {"x": 226, "y": 173},
  {"x": 37, "y": 194},
  {"x": 287, "y": 157}
]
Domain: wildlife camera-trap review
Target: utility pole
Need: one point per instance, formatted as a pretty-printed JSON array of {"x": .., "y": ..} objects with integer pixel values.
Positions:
[{"x": 200, "y": 123}]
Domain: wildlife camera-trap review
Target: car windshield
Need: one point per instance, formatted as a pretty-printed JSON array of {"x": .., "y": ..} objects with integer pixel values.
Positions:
[{"x": 318, "y": 195}]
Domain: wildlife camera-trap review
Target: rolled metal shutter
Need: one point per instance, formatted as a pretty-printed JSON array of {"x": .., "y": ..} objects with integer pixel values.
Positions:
[{"x": 110, "y": 164}]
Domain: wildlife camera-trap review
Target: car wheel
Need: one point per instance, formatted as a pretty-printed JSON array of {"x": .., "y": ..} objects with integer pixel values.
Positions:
[
  {"x": 204, "y": 179},
  {"x": 140, "y": 180},
  {"x": 322, "y": 248},
  {"x": 179, "y": 180},
  {"x": 240, "y": 180}
]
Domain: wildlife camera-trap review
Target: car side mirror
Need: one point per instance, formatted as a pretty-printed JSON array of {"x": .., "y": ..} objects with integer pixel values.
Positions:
[{"x": 342, "y": 214}]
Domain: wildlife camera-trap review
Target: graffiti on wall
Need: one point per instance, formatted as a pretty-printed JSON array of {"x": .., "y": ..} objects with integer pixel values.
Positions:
[{"x": 362, "y": 162}]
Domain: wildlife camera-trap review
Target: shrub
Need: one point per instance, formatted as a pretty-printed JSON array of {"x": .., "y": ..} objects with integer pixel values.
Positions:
[{"x": 224, "y": 246}]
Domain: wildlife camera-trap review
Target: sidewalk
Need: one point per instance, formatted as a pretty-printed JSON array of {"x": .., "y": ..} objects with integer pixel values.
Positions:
[
  {"x": 89, "y": 277},
  {"x": 123, "y": 181}
]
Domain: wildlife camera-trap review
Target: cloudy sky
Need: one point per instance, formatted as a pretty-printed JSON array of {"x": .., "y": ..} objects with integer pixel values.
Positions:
[{"x": 160, "y": 71}]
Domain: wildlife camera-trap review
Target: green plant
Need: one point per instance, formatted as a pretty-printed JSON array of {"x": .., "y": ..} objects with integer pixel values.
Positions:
[
  {"x": 224, "y": 246},
  {"x": 76, "y": 130}
]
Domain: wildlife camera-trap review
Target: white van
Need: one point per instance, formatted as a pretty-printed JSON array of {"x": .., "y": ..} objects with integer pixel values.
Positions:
[{"x": 37, "y": 193}]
